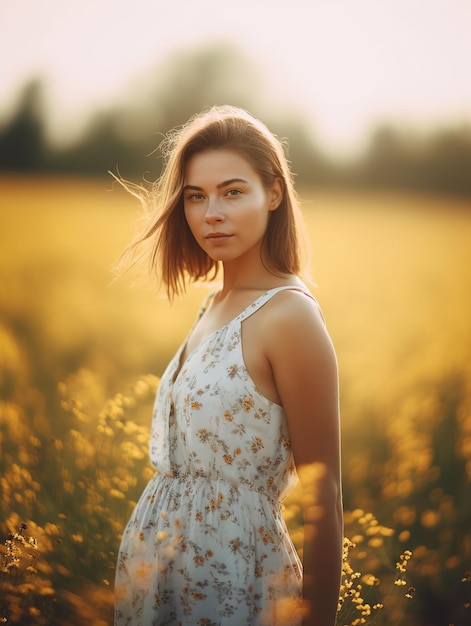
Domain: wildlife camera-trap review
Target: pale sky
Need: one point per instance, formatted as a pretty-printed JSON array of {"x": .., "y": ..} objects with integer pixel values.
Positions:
[{"x": 345, "y": 63}]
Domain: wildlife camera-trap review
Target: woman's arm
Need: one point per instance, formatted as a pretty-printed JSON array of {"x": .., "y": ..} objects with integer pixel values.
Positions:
[{"x": 305, "y": 372}]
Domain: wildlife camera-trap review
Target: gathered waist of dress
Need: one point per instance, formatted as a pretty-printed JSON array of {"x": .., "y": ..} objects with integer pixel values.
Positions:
[{"x": 192, "y": 479}]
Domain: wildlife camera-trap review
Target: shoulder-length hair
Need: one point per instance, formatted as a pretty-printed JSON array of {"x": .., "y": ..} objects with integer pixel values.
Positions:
[{"x": 166, "y": 244}]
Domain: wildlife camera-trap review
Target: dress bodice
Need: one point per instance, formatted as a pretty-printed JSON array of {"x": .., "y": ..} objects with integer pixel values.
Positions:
[{"x": 211, "y": 421}]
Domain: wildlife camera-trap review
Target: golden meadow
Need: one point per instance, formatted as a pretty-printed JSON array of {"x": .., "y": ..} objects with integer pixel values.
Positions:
[{"x": 79, "y": 364}]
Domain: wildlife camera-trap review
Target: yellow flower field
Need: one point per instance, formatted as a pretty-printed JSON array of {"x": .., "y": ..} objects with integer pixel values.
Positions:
[{"x": 80, "y": 358}]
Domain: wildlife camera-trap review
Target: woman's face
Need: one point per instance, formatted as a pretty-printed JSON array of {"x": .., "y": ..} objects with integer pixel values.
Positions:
[{"x": 226, "y": 205}]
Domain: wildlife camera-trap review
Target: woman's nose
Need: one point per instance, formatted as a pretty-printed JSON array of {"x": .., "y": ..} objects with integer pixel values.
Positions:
[{"x": 214, "y": 212}]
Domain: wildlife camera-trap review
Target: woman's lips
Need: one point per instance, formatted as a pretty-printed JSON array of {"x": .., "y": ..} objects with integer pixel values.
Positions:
[{"x": 217, "y": 236}]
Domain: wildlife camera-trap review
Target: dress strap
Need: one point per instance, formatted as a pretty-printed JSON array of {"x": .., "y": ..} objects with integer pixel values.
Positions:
[
  {"x": 268, "y": 295},
  {"x": 205, "y": 305}
]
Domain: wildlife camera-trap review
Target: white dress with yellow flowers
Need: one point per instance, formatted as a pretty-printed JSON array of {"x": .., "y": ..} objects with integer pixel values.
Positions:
[{"x": 207, "y": 543}]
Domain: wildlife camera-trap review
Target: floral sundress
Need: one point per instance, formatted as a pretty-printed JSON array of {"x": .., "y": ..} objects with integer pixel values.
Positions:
[{"x": 207, "y": 543}]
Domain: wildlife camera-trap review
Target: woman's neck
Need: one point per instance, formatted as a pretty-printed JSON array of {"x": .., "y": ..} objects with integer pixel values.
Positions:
[{"x": 256, "y": 279}]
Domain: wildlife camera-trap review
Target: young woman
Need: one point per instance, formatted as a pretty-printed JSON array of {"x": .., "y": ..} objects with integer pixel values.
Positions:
[{"x": 250, "y": 396}]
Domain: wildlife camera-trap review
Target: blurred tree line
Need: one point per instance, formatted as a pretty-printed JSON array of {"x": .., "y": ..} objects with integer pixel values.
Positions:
[{"x": 126, "y": 136}]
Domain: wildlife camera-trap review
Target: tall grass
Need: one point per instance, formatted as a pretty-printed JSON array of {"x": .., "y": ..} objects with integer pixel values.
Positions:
[{"x": 79, "y": 365}]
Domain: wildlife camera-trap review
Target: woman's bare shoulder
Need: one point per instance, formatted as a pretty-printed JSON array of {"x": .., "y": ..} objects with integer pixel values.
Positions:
[
  {"x": 296, "y": 305},
  {"x": 294, "y": 326}
]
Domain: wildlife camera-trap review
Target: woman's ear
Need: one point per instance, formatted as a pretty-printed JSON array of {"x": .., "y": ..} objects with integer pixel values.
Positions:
[{"x": 275, "y": 194}]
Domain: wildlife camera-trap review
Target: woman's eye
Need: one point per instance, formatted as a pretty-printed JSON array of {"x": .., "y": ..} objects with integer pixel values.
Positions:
[{"x": 234, "y": 192}]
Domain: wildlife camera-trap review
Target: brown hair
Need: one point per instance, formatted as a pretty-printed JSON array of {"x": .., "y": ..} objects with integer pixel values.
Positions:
[{"x": 166, "y": 243}]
